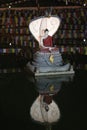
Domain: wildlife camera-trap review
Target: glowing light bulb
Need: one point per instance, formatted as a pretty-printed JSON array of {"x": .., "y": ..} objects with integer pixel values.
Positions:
[
  {"x": 10, "y": 44},
  {"x": 9, "y": 6},
  {"x": 84, "y": 4}
]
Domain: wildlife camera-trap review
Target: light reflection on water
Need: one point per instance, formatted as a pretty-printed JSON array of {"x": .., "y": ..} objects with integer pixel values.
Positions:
[
  {"x": 44, "y": 109},
  {"x": 19, "y": 91}
]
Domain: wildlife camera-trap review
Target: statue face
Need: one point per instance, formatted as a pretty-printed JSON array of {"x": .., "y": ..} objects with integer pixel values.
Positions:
[{"x": 46, "y": 32}]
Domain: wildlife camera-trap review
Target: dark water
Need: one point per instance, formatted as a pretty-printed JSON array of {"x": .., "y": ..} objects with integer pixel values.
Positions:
[{"x": 18, "y": 92}]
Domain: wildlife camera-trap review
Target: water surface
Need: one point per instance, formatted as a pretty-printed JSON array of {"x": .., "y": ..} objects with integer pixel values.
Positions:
[{"x": 18, "y": 91}]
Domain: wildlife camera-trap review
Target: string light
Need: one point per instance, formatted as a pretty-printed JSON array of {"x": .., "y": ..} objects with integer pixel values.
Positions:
[
  {"x": 13, "y": 3},
  {"x": 81, "y": 2}
]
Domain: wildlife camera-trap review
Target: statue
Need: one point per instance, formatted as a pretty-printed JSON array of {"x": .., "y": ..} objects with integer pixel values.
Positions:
[
  {"x": 46, "y": 40},
  {"x": 47, "y": 60}
]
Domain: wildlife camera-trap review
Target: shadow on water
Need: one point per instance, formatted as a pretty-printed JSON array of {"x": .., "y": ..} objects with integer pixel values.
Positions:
[{"x": 64, "y": 95}]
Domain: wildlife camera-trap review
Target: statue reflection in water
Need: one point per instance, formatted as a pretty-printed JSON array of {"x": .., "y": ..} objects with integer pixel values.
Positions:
[{"x": 44, "y": 109}]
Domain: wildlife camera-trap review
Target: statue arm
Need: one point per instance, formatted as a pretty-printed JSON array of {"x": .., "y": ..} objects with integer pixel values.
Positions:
[{"x": 41, "y": 42}]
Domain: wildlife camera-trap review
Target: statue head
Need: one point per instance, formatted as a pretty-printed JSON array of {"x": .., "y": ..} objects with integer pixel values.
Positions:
[{"x": 46, "y": 31}]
